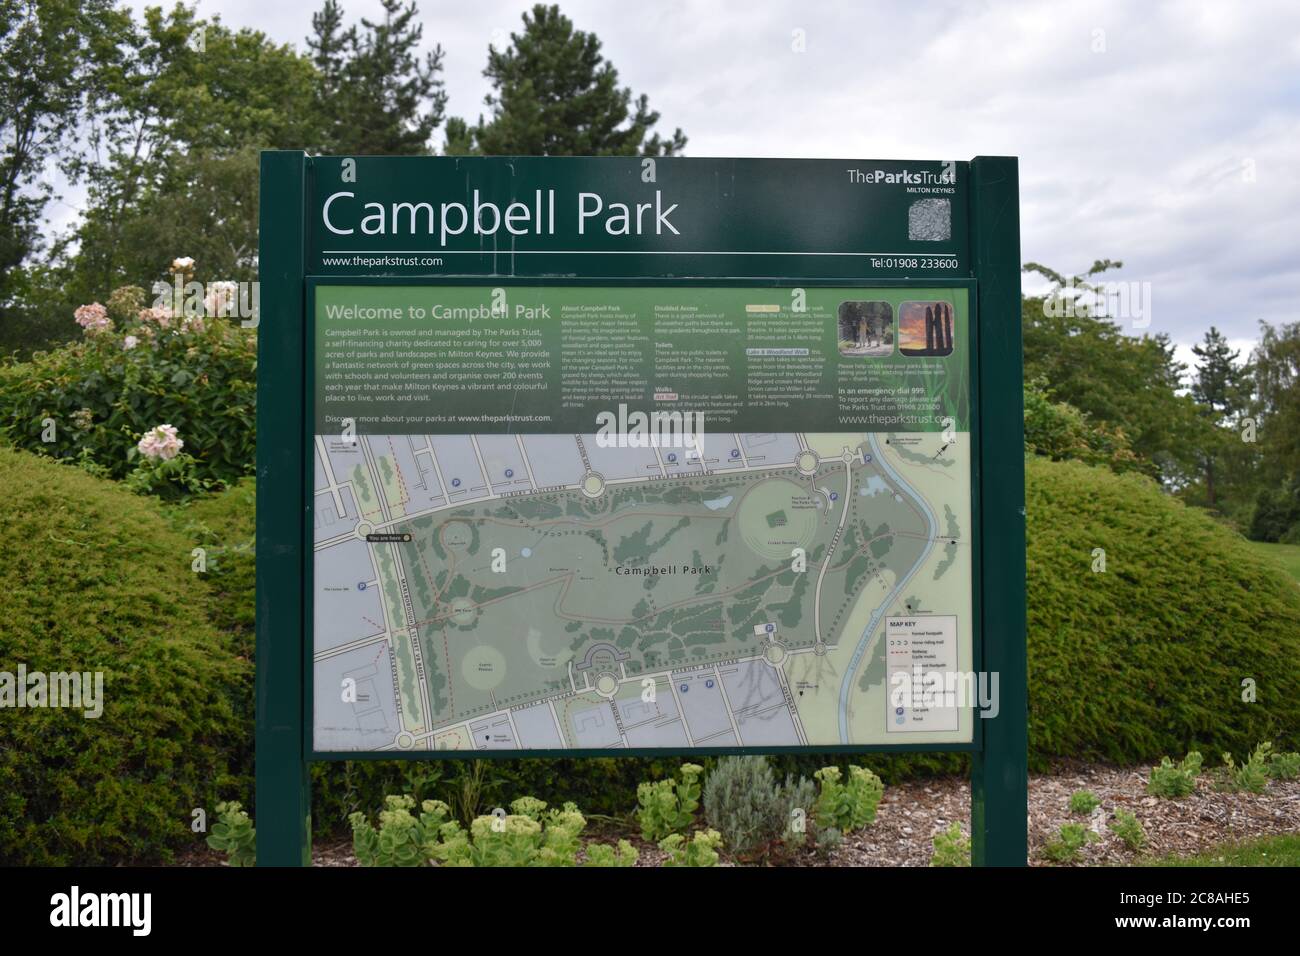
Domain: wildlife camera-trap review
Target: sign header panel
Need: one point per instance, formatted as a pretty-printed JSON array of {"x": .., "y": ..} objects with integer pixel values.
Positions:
[{"x": 526, "y": 216}]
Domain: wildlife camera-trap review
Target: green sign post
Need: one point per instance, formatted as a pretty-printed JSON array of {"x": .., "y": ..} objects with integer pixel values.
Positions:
[{"x": 636, "y": 456}]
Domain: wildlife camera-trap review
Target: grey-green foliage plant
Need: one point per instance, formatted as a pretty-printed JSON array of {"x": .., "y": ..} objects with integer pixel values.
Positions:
[
  {"x": 234, "y": 835},
  {"x": 951, "y": 847},
  {"x": 757, "y": 816},
  {"x": 402, "y": 838},
  {"x": 530, "y": 836},
  {"x": 1083, "y": 802},
  {"x": 849, "y": 804},
  {"x": 700, "y": 850},
  {"x": 602, "y": 854},
  {"x": 497, "y": 840},
  {"x": 1252, "y": 775},
  {"x": 668, "y": 806},
  {"x": 826, "y": 839},
  {"x": 1174, "y": 780},
  {"x": 1070, "y": 839},
  {"x": 1129, "y": 828}
]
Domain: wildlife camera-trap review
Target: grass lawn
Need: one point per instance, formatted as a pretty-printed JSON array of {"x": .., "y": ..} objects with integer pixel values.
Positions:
[
  {"x": 1288, "y": 555},
  {"x": 1269, "y": 851}
]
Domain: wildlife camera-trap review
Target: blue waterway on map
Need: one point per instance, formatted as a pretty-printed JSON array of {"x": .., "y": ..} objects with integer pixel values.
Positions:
[
  {"x": 846, "y": 685},
  {"x": 719, "y": 503}
]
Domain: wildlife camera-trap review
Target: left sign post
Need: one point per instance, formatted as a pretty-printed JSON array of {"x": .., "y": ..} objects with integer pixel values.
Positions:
[{"x": 283, "y": 805}]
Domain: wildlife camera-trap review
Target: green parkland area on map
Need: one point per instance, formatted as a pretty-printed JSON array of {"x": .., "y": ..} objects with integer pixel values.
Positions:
[{"x": 540, "y": 592}]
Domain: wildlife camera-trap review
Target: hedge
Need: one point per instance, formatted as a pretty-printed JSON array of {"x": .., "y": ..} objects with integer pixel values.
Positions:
[{"x": 94, "y": 579}]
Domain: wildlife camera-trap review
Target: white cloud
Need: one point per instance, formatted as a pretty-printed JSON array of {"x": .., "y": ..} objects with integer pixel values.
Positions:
[{"x": 1136, "y": 153}]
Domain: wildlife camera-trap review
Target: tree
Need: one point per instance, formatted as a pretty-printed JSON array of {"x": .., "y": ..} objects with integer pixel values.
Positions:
[
  {"x": 1275, "y": 409},
  {"x": 1118, "y": 381},
  {"x": 1220, "y": 383},
  {"x": 170, "y": 159},
  {"x": 1061, "y": 432},
  {"x": 1221, "y": 386},
  {"x": 554, "y": 94},
  {"x": 1276, "y": 365},
  {"x": 378, "y": 95},
  {"x": 56, "y": 52}
]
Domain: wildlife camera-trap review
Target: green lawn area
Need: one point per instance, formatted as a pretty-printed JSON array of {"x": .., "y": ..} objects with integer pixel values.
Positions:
[
  {"x": 1288, "y": 555},
  {"x": 1268, "y": 851}
]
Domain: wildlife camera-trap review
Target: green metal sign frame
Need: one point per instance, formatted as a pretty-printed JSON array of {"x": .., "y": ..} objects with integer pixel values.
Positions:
[{"x": 291, "y": 252}]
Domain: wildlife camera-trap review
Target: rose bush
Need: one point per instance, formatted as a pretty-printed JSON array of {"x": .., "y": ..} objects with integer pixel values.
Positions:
[{"x": 97, "y": 400}]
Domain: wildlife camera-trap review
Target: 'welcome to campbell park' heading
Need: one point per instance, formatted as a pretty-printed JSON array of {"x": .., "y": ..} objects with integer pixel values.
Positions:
[{"x": 635, "y": 216}]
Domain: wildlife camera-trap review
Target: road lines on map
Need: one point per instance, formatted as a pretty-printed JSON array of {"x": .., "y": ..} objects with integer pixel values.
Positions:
[{"x": 669, "y": 678}]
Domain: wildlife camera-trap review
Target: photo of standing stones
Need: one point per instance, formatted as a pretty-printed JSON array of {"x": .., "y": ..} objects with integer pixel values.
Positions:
[
  {"x": 925, "y": 328},
  {"x": 866, "y": 329}
]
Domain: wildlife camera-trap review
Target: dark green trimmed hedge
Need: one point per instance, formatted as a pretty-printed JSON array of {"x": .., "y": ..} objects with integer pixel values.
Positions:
[
  {"x": 1148, "y": 658},
  {"x": 94, "y": 579}
]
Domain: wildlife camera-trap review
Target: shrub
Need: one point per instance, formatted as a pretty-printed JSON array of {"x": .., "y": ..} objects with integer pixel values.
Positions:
[
  {"x": 95, "y": 580},
  {"x": 529, "y": 836},
  {"x": 1128, "y": 828},
  {"x": 825, "y": 840},
  {"x": 1070, "y": 839},
  {"x": 1059, "y": 431},
  {"x": 951, "y": 847},
  {"x": 1252, "y": 775},
  {"x": 701, "y": 850},
  {"x": 402, "y": 838},
  {"x": 1284, "y": 766},
  {"x": 223, "y": 525},
  {"x": 103, "y": 397},
  {"x": 1276, "y": 513},
  {"x": 233, "y": 835},
  {"x": 848, "y": 805},
  {"x": 756, "y": 816},
  {"x": 1173, "y": 780},
  {"x": 668, "y": 806},
  {"x": 1083, "y": 802},
  {"x": 602, "y": 854},
  {"x": 1147, "y": 658}
]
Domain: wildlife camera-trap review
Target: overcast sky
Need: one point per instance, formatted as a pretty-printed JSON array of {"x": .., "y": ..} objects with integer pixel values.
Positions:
[{"x": 1166, "y": 135}]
